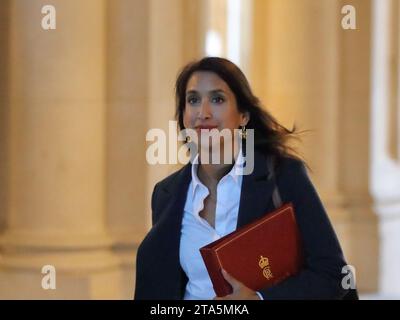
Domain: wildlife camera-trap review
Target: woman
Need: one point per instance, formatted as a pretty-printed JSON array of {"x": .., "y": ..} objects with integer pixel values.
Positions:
[{"x": 204, "y": 201}]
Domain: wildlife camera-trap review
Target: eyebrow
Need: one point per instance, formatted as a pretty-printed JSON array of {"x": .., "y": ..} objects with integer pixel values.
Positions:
[{"x": 212, "y": 91}]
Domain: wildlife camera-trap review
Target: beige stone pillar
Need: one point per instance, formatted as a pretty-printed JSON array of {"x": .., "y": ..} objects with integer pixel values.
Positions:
[
  {"x": 4, "y": 111},
  {"x": 355, "y": 146},
  {"x": 297, "y": 77},
  {"x": 304, "y": 71},
  {"x": 385, "y": 166},
  {"x": 174, "y": 41},
  {"x": 195, "y": 17},
  {"x": 216, "y": 25},
  {"x": 127, "y": 107},
  {"x": 56, "y": 214}
]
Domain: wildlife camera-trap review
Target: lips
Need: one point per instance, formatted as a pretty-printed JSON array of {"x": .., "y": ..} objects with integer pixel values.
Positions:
[{"x": 205, "y": 127}]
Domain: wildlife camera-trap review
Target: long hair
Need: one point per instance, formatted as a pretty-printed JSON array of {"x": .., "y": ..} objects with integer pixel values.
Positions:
[{"x": 270, "y": 137}]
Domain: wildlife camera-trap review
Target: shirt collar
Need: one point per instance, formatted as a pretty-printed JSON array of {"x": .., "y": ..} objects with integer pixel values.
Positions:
[{"x": 235, "y": 172}]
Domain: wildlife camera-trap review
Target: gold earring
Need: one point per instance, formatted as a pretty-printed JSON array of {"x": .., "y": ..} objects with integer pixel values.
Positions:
[{"x": 243, "y": 133}]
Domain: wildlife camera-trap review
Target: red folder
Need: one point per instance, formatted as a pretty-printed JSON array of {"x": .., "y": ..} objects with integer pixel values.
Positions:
[{"x": 260, "y": 254}]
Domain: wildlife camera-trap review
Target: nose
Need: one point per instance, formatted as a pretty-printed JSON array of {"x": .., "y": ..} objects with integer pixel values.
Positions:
[{"x": 204, "y": 110}]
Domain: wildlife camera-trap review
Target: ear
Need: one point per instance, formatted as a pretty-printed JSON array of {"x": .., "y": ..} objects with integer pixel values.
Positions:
[{"x": 245, "y": 118}]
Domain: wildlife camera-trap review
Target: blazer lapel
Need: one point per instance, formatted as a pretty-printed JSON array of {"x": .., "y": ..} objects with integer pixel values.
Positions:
[
  {"x": 175, "y": 195},
  {"x": 170, "y": 224},
  {"x": 256, "y": 192}
]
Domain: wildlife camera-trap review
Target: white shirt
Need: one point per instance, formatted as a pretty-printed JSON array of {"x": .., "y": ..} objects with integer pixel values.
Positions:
[{"x": 196, "y": 232}]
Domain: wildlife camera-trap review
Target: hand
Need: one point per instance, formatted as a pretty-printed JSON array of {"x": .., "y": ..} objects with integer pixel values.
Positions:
[{"x": 240, "y": 291}]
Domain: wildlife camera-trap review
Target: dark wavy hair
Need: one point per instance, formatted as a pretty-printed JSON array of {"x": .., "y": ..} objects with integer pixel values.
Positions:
[{"x": 270, "y": 137}]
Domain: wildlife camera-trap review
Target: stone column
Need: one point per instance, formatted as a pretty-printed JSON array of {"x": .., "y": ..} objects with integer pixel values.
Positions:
[
  {"x": 303, "y": 70},
  {"x": 165, "y": 59},
  {"x": 385, "y": 170},
  {"x": 4, "y": 111},
  {"x": 355, "y": 146},
  {"x": 195, "y": 29},
  {"x": 127, "y": 108},
  {"x": 56, "y": 213},
  {"x": 298, "y": 79}
]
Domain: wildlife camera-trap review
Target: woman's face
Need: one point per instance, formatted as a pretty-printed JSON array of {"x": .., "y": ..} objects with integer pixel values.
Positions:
[{"x": 210, "y": 103}]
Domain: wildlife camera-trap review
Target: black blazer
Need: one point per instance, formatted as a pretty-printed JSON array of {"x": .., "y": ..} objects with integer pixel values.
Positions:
[{"x": 158, "y": 271}]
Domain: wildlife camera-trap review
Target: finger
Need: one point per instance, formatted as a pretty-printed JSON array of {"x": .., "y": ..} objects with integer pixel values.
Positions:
[{"x": 234, "y": 283}]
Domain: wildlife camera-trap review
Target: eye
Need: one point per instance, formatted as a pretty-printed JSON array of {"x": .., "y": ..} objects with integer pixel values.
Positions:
[
  {"x": 218, "y": 99},
  {"x": 192, "y": 100}
]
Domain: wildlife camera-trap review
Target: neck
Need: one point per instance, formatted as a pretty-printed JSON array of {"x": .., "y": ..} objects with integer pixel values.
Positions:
[{"x": 210, "y": 174}]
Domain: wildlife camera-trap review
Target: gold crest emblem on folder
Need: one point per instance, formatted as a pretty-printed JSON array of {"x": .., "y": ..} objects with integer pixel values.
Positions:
[{"x": 266, "y": 269}]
